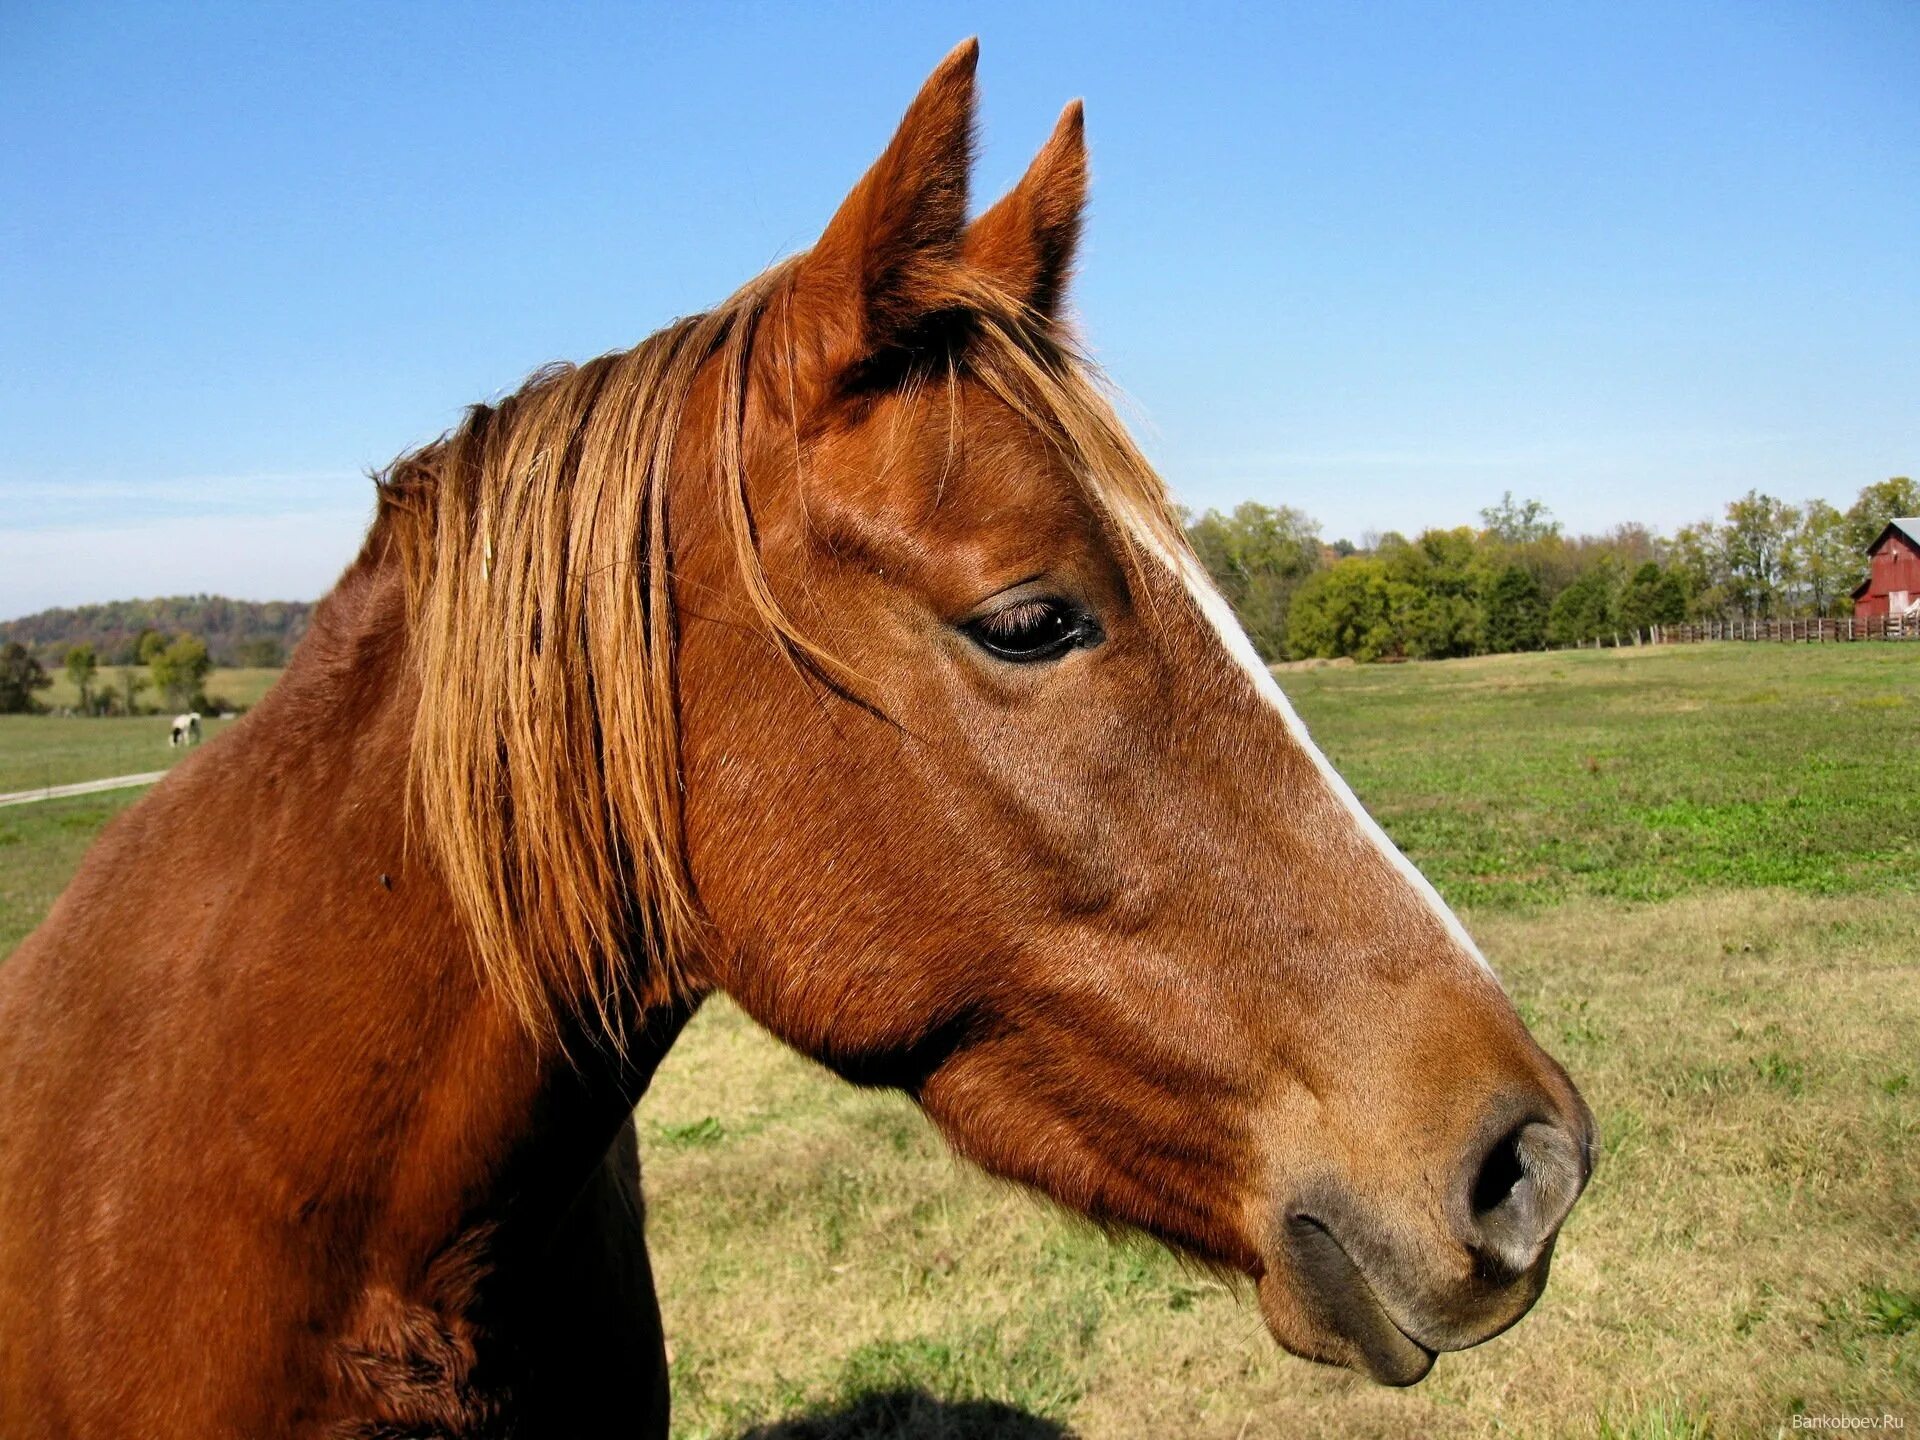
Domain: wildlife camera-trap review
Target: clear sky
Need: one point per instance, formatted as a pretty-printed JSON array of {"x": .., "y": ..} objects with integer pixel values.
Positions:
[{"x": 1381, "y": 262}]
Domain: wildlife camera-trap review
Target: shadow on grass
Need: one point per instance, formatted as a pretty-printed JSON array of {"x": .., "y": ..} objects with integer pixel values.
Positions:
[{"x": 913, "y": 1415}]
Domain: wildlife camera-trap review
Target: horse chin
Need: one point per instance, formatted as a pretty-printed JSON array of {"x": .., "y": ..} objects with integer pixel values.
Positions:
[{"x": 1319, "y": 1306}]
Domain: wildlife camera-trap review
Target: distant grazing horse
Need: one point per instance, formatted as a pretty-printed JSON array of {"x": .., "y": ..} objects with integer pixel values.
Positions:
[
  {"x": 834, "y": 649},
  {"x": 186, "y": 729}
]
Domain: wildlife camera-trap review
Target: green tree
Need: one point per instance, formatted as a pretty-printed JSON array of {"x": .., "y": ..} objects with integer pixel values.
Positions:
[
  {"x": 132, "y": 682},
  {"x": 150, "y": 644},
  {"x": 81, "y": 665},
  {"x": 1758, "y": 541},
  {"x": 1438, "y": 626},
  {"x": 1652, "y": 597},
  {"x": 1513, "y": 613},
  {"x": 1584, "y": 610},
  {"x": 20, "y": 675},
  {"x": 1825, "y": 558},
  {"x": 1876, "y": 505},
  {"x": 1258, "y": 556},
  {"x": 1434, "y": 583},
  {"x": 1697, "y": 556},
  {"x": 1345, "y": 609},
  {"x": 180, "y": 668},
  {"x": 1519, "y": 522},
  {"x": 265, "y": 653}
]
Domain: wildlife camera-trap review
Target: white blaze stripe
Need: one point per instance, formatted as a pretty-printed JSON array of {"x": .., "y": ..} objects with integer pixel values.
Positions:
[{"x": 1227, "y": 625}]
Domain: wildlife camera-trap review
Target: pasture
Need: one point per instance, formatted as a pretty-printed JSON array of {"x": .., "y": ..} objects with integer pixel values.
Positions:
[
  {"x": 39, "y": 750},
  {"x": 1697, "y": 870}
]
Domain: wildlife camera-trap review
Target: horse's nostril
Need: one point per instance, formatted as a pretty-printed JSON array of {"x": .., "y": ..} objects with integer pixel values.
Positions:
[
  {"x": 1518, "y": 1192},
  {"x": 1500, "y": 1171}
]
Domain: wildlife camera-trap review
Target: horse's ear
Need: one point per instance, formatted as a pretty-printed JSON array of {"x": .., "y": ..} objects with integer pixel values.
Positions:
[
  {"x": 891, "y": 253},
  {"x": 1026, "y": 242}
]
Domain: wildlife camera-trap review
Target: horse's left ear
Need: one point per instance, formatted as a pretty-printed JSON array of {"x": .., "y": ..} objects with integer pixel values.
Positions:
[{"x": 1026, "y": 242}]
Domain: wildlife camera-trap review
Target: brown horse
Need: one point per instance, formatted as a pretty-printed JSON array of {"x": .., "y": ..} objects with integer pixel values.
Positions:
[{"x": 836, "y": 650}]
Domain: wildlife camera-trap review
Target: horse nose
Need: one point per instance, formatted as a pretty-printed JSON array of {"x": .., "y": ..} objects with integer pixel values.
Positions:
[{"x": 1519, "y": 1186}]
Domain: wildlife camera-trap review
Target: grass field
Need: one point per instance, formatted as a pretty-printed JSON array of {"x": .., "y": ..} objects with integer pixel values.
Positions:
[
  {"x": 1523, "y": 780},
  {"x": 40, "y": 848},
  {"x": 40, "y": 750},
  {"x": 1696, "y": 871}
]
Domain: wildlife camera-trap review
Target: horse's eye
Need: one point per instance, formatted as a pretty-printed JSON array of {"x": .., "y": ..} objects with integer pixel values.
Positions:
[{"x": 1033, "y": 630}]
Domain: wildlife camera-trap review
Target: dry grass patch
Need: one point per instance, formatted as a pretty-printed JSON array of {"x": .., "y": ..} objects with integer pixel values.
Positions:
[
  {"x": 234, "y": 686},
  {"x": 1747, "y": 1249}
]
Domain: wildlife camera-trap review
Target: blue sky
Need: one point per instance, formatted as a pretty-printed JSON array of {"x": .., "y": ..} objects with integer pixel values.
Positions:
[{"x": 1381, "y": 262}]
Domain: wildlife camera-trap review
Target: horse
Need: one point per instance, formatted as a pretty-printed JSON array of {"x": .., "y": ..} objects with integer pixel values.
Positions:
[
  {"x": 835, "y": 650},
  {"x": 186, "y": 730}
]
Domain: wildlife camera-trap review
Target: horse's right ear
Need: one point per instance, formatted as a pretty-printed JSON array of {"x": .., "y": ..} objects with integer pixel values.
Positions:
[
  {"x": 891, "y": 254},
  {"x": 1026, "y": 242}
]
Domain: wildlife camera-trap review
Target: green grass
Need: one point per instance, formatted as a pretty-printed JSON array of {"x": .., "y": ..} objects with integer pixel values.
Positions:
[
  {"x": 1694, "y": 870},
  {"x": 40, "y": 848},
  {"x": 39, "y": 750},
  {"x": 1522, "y": 781}
]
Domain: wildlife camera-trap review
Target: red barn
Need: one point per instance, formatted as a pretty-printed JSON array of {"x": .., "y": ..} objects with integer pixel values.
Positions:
[{"x": 1892, "y": 586}]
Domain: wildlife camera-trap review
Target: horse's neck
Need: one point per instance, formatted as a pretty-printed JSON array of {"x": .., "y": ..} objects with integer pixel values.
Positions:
[{"x": 302, "y": 977}]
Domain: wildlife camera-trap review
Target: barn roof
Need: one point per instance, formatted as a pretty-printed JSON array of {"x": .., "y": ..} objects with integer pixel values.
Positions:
[{"x": 1907, "y": 525}]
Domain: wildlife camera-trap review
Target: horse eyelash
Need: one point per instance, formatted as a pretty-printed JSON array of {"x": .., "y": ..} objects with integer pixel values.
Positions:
[{"x": 1015, "y": 618}]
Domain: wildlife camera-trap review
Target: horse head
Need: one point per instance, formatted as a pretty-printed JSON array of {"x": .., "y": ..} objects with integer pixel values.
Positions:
[{"x": 856, "y": 666}]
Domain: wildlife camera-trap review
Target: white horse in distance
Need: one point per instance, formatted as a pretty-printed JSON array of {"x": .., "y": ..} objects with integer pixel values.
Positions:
[{"x": 186, "y": 730}]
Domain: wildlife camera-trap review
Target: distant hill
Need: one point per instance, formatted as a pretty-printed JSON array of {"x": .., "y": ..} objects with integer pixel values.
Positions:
[{"x": 237, "y": 632}]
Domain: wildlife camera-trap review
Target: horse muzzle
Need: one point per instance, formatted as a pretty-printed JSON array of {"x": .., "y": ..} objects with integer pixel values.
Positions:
[{"x": 1350, "y": 1283}]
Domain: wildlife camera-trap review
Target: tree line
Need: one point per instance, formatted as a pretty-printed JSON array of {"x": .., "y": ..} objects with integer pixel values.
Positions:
[
  {"x": 173, "y": 668},
  {"x": 236, "y": 632},
  {"x": 1518, "y": 582}
]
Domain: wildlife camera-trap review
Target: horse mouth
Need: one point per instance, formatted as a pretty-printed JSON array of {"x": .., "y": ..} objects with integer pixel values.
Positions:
[{"x": 1345, "y": 1303}]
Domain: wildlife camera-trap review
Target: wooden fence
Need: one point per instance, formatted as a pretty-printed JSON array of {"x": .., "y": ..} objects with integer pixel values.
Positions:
[{"x": 1810, "y": 632}]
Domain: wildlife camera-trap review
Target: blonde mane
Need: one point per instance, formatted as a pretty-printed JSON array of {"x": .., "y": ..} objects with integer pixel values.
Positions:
[{"x": 545, "y": 768}]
